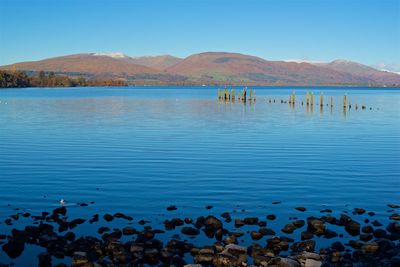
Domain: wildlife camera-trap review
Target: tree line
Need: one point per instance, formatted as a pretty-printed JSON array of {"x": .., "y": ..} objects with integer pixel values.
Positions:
[{"x": 19, "y": 79}]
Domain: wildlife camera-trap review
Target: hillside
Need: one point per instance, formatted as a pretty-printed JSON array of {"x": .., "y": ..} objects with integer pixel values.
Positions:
[
  {"x": 233, "y": 67},
  {"x": 155, "y": 62},
  {"x": 209, "y": 68},
  {"x": 88, "y": 64}
]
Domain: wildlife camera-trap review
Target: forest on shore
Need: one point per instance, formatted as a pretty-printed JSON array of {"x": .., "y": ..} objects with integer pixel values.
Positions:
[{"x": 20, "y": 79}]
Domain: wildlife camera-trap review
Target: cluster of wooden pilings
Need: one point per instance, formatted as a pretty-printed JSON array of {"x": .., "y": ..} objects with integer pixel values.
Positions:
[
  {"x": 309, "y": 101},
  {"x": 244, "y": 95}
]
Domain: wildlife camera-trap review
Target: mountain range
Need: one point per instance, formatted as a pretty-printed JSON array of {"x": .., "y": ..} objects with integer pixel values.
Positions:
[{"x": 209, "y": 68}]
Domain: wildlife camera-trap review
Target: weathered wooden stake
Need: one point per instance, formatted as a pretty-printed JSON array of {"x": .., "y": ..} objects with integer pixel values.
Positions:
[
  {"x": 344, "y": 101},
  {"x": 321, "y": 100}
]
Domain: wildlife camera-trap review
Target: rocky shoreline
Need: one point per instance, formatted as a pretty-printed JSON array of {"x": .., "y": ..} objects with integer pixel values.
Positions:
[{"x": 365, "y": 242}]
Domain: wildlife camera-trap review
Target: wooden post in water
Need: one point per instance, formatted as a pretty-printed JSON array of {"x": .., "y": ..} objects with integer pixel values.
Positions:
[
  {"x": 312, "y": 98},
  {"x": 331, "y": 101},
  {"x": 233, "y": 94},
  {"x": 321, "y": 100},
  {"x": 344, "y": 101},
  {"x": 251, "y": 95},
  {"x": 219, "y": 94},
  {"x": 307, "y": 99},
  {"x": 255, "y": 95}
]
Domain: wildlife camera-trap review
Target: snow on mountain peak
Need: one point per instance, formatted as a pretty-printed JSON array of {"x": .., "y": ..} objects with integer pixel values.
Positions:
[{"x": 112, "y": 54}]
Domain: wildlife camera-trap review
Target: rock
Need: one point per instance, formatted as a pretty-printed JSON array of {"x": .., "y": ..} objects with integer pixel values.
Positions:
[
  {"x": 232, "y": 255},
  {"x": 366, "y": 237},
  {"x": 370, "y": 247},
  {"x": 395, "y": 216},
  {"x": 284, "y": 262},
  {"x": 306, "y": 235},
  {"x": 302, "y": 209},
  {"x": 316, "y": 226},
  {"x": 151, "y": 256},
  {"x": 266, "y": 231},
  {"x": 256, "y": 235},
  {"x": 326, "y": 210},
  {"x": 376, "y": 223},
  {"x": 251, "y": 220},
  {"x": 276, "y": 202},
  {"x": 123, "y": 216},
  {"x": 44, "y": 259},
  {"x": 338, "y": 246},
  {"x": 395, "y": 261},
  {"x": 209, "y": 207},
  {"x": 393, "y": 227},
  {"x": 359, "y": 211},
  {"x": 271, "y": 217},
  {"x": 367, "y": 229},
  {"x": 239, "y": 223},
  {"x": 103, "y": 229},
  {"x": 14, "y": 248},
  {"x": 188, "y": 220},
  {"x": 299, "y": 223},
  {"x": 61, "y": 210},
  {"x": 190, "y": 231},
  {"x": 205, "y": 256},
  {"x": 380, "y": 233},
  {"x": 108, "y": 217},
  {"x": 289, "y": 228},
  {"x": 128, "y": 230},
  {"x": 262, "y": 223},
  {"x": 394, "y": 206},
  {"x": 352, "y": 227},
  {"x": 330, "y": 234},
  {"x": 79, "y": 259},
  {"x": 193, "y": 265},
  {"x": 171, "y": 208},
  {"x": 308, "y": 245},
  {"x": 212, "y": 223},
  {"x": 312, "y": 263}
]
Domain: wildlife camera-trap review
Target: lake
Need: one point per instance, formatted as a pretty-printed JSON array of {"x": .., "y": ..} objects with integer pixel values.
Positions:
[{"x": 139, "y": 150}]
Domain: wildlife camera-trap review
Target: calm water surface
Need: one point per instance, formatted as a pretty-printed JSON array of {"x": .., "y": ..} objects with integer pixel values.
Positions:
[{"x": 138, "y": 150}]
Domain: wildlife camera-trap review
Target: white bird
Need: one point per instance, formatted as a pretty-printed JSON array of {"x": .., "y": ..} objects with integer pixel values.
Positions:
[{"x": 62, "y": 201}]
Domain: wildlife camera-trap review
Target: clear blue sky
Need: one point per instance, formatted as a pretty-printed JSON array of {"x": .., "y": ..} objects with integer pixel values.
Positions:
[{"x": 366, "y": 31}]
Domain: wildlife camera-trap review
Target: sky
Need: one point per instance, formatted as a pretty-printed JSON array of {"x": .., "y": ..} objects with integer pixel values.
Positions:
[{"x": 365, "y": 31}]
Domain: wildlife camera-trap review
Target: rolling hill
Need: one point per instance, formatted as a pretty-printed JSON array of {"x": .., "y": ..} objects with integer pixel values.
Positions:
[{"x": 210, "y": 68}]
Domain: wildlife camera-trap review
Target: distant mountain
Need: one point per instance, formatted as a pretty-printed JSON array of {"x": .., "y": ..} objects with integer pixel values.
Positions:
[
  {"x": 233, "y": 67},
  {"x": 86, "y": 64},
  {"x": 360, "y": 70},
  {"x": 156, "y": 62},
  {"x": 210, "y": 68}
]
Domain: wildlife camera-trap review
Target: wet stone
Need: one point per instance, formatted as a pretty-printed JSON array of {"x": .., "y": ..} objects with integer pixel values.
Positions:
[
  {"x": 190, "y": 231},
  {"x": 128, "y": 230},
  {"x": 271, "y": 217},
  {"x": 14, "y": 248},
  {"x": 302, "y": 209},
  {"x": 251, "y": 220},
  {"x": 171, "y": 208},
  {"x": 266, "y": 231},
  {"x": 108, "y": 217},
  {"x": 395, "y": 216},
  {"x": 359, "y": 211},
  {"x": 308, "y": 245},
  {"x": 256, "y": 235},
  {"x": 306, "y": 235},
  {"x": 366, "y": 237},
  {"x": 239, "y": 223},
  {"x": 338, "y": 246},
  {"x": 289, "y": 228}
]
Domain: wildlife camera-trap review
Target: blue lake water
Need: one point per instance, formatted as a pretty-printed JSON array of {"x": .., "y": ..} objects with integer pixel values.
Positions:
[{"x": 139, "y": 150}]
